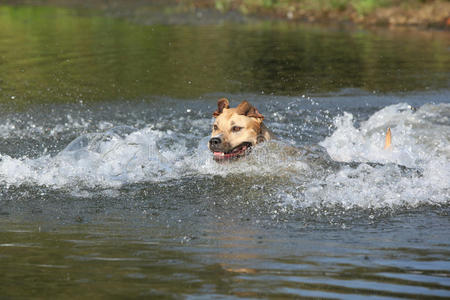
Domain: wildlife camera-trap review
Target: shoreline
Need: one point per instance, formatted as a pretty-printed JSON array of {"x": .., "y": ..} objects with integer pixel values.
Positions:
[{"x": 432, "y": 14}]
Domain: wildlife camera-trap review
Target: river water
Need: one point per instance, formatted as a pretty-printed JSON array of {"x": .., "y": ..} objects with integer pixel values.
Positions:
[{"x": 107, "y": 188}]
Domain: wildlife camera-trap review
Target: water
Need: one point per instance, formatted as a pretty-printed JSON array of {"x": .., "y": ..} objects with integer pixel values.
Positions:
[{"x": 108, "y": 188}]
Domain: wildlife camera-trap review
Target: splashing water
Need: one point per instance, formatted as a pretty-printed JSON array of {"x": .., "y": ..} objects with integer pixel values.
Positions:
[
  {"x": 416, "y": 170},
  {"x": 420, "y": 142}
]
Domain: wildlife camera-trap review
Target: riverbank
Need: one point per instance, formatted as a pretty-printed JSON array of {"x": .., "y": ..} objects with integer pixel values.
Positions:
[
  {"x": 425, "y": 14},
  {"x": 383, "y": 13}
]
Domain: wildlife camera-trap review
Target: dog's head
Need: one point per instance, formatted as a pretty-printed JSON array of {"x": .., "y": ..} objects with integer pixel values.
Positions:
[{"x": 235, "y": 130}]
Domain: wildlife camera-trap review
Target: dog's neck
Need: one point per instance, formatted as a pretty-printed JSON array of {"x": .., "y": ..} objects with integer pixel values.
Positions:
[{"x": 265, "y": 133}]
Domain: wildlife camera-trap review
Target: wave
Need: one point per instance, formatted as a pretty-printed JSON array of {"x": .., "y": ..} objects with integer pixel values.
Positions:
[{"x": 360, "y": 172}]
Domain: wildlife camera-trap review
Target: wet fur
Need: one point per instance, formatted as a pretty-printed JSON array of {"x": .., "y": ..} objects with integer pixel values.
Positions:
[{"x": 246, "y": 117}]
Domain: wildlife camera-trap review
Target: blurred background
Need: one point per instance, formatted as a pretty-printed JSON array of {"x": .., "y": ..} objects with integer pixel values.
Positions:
[{"x": 424, "y": 13}]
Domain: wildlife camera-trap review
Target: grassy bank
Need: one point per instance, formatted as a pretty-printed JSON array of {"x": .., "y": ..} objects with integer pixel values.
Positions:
[
  {"x": 422, "y": 13},
  {"x": 425, "y": 13}
]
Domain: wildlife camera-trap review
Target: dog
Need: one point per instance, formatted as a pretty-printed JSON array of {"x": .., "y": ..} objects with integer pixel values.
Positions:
[{"x": 236, "y": 130}]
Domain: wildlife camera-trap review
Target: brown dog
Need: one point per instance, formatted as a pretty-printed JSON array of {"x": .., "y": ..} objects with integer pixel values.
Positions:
[{"x": 236, "y": 130}]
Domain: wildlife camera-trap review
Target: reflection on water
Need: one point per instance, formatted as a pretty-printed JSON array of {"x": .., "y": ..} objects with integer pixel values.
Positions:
[
  {"x": 108, "y": 195},
  {"x": 69, "y": 55},
  {"x": 240, "y": 258}
]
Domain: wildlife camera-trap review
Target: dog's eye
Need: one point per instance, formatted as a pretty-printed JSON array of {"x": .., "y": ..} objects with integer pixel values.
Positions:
[
  {"x": 236, "y": 128},
  {"x": 215, "y": 127}
]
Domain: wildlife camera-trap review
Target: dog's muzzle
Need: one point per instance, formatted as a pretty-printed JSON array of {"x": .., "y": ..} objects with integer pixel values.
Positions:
[
  {"x": 215, "y": 143},
  {"x": 221, "y": 151}
]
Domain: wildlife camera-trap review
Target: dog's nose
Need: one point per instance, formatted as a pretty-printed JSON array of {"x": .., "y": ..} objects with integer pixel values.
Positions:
[{"x": 215, "y": 141}]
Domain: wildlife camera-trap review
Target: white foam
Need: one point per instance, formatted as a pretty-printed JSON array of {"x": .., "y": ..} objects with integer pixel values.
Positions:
[
  {"x": 417, "y": 138},
  {"x": 101, "y": 159},
  {"x": 383, "y": 186},
  {"x": 124, "y": 155},
  {"x": 420, "y": 142}
]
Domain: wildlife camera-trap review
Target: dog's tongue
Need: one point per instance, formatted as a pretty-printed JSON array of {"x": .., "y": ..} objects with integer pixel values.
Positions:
[
  {"x": 235, "y": 152},
  {"x": 221, "y": 154}
]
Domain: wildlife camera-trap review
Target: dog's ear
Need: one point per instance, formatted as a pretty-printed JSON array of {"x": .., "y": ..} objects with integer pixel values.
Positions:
[
  {"x": 221, "y": 104},
  {"x": 248, "y": 110}
]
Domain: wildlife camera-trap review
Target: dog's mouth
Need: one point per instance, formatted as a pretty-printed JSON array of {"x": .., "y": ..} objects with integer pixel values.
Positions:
[{"x": 238, "y": 151}]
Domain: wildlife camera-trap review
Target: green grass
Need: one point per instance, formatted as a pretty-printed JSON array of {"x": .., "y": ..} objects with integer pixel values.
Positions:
[{"x": 364, "y": 7}]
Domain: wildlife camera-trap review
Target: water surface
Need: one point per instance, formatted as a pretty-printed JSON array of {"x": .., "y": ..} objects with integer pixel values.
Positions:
[
  {"x": 58, "y": 55},
  {"x": 107, "y": 188}
]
